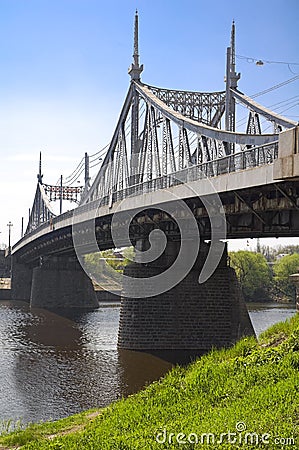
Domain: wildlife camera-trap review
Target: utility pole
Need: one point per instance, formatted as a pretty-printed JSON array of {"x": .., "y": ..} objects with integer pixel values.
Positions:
[
  {"x": 258, "y": 245},
  {"x": 9, "y": 233}
]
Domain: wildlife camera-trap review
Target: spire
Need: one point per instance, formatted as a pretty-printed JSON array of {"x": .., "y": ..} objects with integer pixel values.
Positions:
[
  {"x": 233, "y": 48},
  {"x": 39, "y": 175},
  {"x": 135, "y": 69},
  {"x": 136, "y": 54},
  {"x": 232, "y": 78},
  {"x": 233, "y": 75}
]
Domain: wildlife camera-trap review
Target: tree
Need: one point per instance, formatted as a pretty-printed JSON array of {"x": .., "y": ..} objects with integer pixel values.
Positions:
[
  {"x": 108, "y": 261},
  {"x": 253, "y": 273},
  {"x": 283, "y": 268}
]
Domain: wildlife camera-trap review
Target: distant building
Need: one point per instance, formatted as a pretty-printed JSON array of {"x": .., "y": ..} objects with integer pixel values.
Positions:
[{"x": 281, "y": 255}]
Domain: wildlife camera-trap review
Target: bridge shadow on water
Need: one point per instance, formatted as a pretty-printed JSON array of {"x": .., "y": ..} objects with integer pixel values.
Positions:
[
  {"x": 61, "y": 330},
  {"x": 68, "y": 361},
  {"x": 136, "y": 369},
  {"x": 173, "y": 357}
]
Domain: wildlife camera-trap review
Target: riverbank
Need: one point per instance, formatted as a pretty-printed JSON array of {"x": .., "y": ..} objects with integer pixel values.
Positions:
[
  {"x": 251, "y": 388},
  {"x": 112, "y": 293}
]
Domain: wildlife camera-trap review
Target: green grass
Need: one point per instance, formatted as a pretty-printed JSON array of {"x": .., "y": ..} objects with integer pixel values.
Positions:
[
  {"x": 253, "y": 385},
  {"x": 22, "y": 434}
]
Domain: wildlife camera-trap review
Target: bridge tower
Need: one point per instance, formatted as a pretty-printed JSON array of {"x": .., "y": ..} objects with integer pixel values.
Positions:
[
  {"x": 190, "y": 317},
  {"x": 135, "y": 71},
  {"x": 52, "y": 282},
  {"x": 231, "y": 79}
]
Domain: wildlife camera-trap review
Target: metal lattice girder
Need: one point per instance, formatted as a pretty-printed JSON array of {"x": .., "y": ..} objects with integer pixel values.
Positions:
[
  {"x": 153, "y": 131},
  {"x": 161, "y": 140},
  {"x": 71, "y": 193},
  {"x": 168, "y": 152},
  {"x": 102, "y": 180},
  {"x": 144, "y": 145},
  {"x": 201, "y": 128},
  {"x": 41, "y": 211},
  {"x": 205, "y": 107},
  {"x": 253, "y": 125}
]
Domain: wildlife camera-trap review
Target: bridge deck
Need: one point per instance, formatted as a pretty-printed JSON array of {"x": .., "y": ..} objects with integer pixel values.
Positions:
[{"x": 243, "y": 179}]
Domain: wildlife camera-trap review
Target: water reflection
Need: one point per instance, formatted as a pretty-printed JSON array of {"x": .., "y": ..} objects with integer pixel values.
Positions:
[
  {"x": 52, "y": 366},
  {"x": 55, "y": 365}
]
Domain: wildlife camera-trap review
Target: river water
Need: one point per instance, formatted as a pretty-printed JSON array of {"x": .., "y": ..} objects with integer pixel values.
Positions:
[{"x": 53, "y": 366}]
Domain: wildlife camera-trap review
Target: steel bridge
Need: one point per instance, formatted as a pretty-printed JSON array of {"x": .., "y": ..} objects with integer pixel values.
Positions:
[{"x": 181, "y": 143}]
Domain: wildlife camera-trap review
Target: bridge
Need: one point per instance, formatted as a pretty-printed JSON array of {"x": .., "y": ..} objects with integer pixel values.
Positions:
[{"x": 177, "y": 180}]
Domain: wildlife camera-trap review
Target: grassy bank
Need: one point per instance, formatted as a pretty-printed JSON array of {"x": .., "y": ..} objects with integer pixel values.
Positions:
[{"x": 245, "y": 397}]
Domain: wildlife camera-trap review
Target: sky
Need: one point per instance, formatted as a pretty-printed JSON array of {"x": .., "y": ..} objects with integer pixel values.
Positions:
[{"x": 63, "y": 75}]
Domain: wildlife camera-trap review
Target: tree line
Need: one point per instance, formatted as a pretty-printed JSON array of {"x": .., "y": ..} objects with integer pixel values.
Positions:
[{"x": 264, "y": 275}]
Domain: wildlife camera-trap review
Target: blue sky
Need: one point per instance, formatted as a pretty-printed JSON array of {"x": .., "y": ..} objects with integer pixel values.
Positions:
[{"x": 63, "y": 73}]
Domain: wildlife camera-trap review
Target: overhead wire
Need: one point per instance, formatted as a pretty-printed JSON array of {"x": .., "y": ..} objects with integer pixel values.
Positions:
[
  {"x": 290, "y": 107},
  {"x": 261, "y": 62},
  {"x": 289, "y": 101},
  {"x": 276, "y": 86}
]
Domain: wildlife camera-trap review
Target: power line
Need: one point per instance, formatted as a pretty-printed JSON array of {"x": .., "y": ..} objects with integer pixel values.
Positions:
[
  {"x": 261, "y": 62},
  {"x": 280, "y": 107},
  {"x": 74, "y": 173},
  {"x": 276, "y": 86}
]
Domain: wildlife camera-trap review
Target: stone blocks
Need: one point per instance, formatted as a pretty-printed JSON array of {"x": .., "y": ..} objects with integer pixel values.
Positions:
[{"x": 190, "y": 316}]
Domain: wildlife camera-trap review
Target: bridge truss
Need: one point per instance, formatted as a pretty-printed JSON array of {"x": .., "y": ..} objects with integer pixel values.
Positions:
[
  {"x": 163, "y": 132},
  {"x": 42, "y": 210}
]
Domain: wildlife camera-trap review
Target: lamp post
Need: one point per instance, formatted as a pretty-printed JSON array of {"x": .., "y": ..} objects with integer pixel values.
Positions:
[{"x": 9, "y": 233}]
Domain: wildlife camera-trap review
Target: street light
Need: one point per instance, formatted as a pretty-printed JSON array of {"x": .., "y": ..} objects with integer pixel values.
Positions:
[{"x": 9, "y": 232}]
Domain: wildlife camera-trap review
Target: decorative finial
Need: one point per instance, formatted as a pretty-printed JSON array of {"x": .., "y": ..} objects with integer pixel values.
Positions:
[
  {"x": 233, "y": 45},
  {"x": 234, "y": 76},
  {"x": 135, "y": 69},
  {"x": 39, "y": 175}
]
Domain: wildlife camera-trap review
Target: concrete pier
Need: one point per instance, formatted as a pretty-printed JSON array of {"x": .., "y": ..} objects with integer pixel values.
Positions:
[
  {"x": 190, "y": 316},
  {"x": 21, "y": 280},
  {"x": 5, "y": 264},
  {"x": 58, "y": 282}
]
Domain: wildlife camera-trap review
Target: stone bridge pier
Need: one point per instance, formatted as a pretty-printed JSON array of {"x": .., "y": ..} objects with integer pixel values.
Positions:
[
  {"x": 57, "y": 282},
  {"x": 190, "y": 316}
]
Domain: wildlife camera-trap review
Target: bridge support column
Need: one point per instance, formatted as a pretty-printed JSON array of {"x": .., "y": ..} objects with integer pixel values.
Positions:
[
  {"x": 21, "y": 280},
  {"x": 60, "y": 282},
  {"x": 190, "y": 316}
]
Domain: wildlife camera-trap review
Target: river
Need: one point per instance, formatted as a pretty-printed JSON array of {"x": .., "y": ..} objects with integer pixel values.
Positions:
[{"x": 53, "y": 366}]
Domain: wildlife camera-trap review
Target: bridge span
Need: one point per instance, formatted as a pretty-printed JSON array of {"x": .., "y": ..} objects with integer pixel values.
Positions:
[{"x": 177, "y": 180}]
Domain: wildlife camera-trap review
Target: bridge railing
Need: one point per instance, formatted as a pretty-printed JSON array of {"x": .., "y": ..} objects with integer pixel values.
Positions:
[{"x": 247, "y": 159}]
